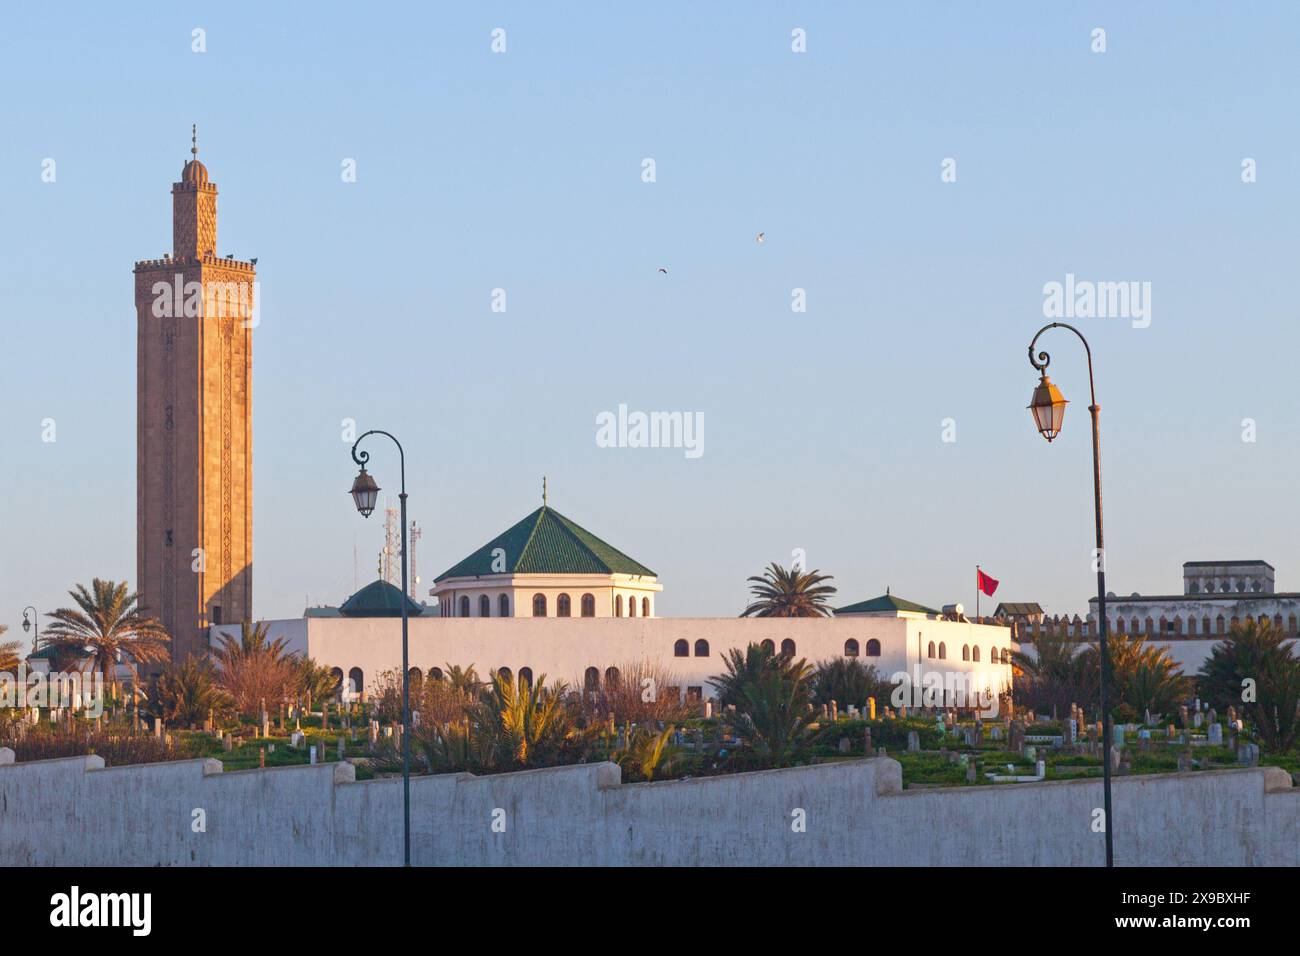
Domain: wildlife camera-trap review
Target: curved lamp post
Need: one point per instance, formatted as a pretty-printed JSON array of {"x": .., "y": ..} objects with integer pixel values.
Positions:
[
  {"x": 27, "y": 625},
  {"x": 1048, "y": 408},
  {"x": 364, "y": 493}
]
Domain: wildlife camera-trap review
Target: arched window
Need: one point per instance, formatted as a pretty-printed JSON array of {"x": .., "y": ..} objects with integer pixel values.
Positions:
[
  {"x": 356, "y": 683},
  {"x": 503, "y": 605},
  {"x": 484, "y": 606},
  {"x": 1218, "y": 624},
  {"x": 965, "y": 652},
  {"x": 975, "y": 654},
  {"x": 505, "y": 674},
  {"x": 851, "y": 648},
  {"x": 681, "y": 648},
  {"x": 1151, "y": 626},
  {"x": 768, "y": 646},
  {"x": 787, "y": 648},
  {"x": 631, "y": 606},
  {"x": 873, "y": 648},
  {"x": 337, "y": 674},
  {"x": 588, "y": 605},
  {"x": 464, "y": 605},
  {"x": 1277, "y": 622},
  {"x": 1205, "y": 624},
  {"x": 591, "y": 679},
  {"x": 563, "y": 608},
  {"x": 701, "y": 648},
  {"x": 539, "y": 605},
  {"x": 943, "y": 651},
  {"x": 526, "y": 677},
  {"x": 1191, "y": 626},
  {"x": 414, "y": 675},
  {"x": 618, "y": 605},
  {"x": 611, "y": 676},
  {"x": 930, "y": 650},
  {"x": 435, "y": 673},
  {"x": 1291, "y": 623},
  {"x": 645, "y": 607}
]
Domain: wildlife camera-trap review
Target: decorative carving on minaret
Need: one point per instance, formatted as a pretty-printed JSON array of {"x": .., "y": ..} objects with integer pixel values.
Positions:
[{"x": 194, "y": 423}]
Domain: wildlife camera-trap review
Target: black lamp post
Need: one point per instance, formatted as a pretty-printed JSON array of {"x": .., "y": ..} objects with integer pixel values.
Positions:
[
  {"x": 365, "y": 492},
  {"x": 1048, "y": 408},
  {"x": 27, "y": 625}
]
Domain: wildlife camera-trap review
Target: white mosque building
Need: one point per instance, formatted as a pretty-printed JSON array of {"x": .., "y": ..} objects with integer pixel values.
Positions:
[{"x": 547, "y": 597}]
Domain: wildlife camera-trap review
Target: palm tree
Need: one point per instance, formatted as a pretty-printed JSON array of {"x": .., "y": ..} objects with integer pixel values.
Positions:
[
  {"x": 648, "y": 752},
  {"x": 255, "y": 670},
  {"x": 1144, "y": 677},
  {"x": 109, "y": 626},
  {"x": 521, "y": 724},
  {"x": 1255, "y": 670},
  {"x": 1054, "y": 676},
  {"x": 8, "y": 653},
  {"x": 187, "y": 692},
  {"x": 462, "y": 680},
  {"x": 315, "y": 682},
  {"x": 793, "y": 593},
  {"x": 848, "y": 681},
  {"x": 774, "y": 710},
  {"x": 743, "y": 667}
]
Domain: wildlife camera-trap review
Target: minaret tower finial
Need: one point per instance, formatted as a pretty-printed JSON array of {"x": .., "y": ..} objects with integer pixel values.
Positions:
[
  {"x": 543, "y": 491},
  {"x": 194, "y": 140}
]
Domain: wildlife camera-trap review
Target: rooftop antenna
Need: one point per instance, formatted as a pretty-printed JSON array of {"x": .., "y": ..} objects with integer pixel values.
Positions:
[{"x": 415, "y": 578}]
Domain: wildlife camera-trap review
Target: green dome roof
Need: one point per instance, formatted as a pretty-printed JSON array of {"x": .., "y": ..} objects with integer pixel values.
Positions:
[{"x": 379, "y": 599}]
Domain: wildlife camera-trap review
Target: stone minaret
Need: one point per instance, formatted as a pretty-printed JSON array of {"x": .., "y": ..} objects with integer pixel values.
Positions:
[{"x": 194, "y": 424}]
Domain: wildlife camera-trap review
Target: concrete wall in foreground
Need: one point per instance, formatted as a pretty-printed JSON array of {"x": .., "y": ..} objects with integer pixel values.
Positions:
[{"x": 75, "y": 812}]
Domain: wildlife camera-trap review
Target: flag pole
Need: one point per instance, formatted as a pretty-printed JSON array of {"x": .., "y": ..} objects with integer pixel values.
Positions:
[{"x": 977, "y": 594}]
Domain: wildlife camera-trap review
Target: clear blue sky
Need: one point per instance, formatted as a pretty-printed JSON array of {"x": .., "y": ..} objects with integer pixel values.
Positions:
[{"x": 522, "y": 171}]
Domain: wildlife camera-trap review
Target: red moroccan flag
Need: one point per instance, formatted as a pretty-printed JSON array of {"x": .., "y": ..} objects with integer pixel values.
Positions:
[{"x": 985, "y": 583}]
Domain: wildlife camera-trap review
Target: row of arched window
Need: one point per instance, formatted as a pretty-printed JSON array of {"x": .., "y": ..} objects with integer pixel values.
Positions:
[
  {"x": 631, "y": 606},
  {"x": 969, "y": 652},
  {"x": 852, "y": 648},
  {"x": 1195, "y": 626},
  {"x": 462, "y": 607},
  {"x": 563, "y": 606}
]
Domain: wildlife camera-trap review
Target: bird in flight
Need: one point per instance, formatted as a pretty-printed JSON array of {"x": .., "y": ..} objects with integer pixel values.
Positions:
[
  {"x": 760, "y": 237},
  {"x": 663, "y": 270}
]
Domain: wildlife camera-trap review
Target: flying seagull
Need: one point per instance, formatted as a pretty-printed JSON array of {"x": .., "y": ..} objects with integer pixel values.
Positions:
[
  {"x": 663, "y": 270},
  {"x": 760, "y": 237}
]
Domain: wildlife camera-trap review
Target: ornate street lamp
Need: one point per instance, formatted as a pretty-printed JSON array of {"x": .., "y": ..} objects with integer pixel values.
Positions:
[
  {"x": 364, "y": 493},
  {"x": 27, "y": 625},
  {"x": 1048, "y": 409}
]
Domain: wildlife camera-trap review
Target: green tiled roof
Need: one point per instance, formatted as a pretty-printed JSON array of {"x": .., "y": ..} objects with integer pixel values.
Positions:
[
  {"x": 884, "y": 604},
  {"x": 546, "y": 542},
  {"x": 378, "y": 599}
]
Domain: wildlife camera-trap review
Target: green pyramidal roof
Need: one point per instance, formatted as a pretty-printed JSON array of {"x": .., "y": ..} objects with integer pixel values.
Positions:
[
  {"x": 545, "y": 542},
  {"x": 885, "y": 603}
]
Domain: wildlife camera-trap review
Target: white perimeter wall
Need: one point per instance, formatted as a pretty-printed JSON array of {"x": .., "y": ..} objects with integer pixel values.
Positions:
[{"x": 72, "y": 812}]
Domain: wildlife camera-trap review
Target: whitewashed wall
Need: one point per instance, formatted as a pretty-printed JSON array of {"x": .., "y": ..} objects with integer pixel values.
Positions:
[
  {"x": 74, "y": 813},
  {"x": 563, "y": 648}
]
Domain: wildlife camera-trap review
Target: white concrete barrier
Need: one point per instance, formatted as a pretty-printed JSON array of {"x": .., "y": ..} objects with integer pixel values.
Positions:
[{"x": 74, "y": 812}]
